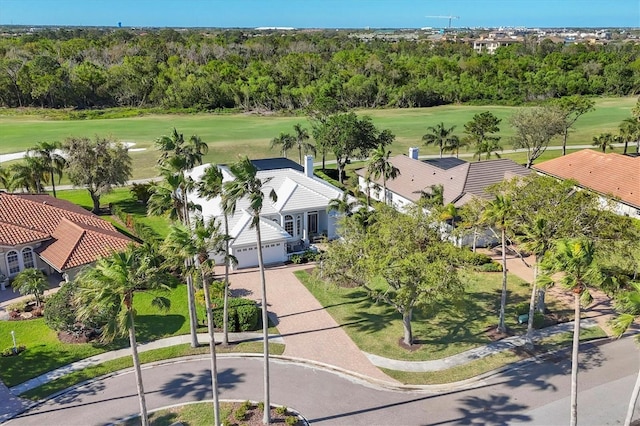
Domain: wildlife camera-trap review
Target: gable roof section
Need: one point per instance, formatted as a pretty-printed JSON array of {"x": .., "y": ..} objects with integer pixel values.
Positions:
[
  {"x": 43, "y": 212},
  {"x": 243, "y": 234},
  {"x": 75, "y": 244},
  {"x": 14, "y": 235},
  {"x": 486, "y": 173},
  {"x": 609, "y": 174},
  {"x": 460, "y": 182},
  {"x": 417, "y": 176},
  {"x": 72, "y": 236}
]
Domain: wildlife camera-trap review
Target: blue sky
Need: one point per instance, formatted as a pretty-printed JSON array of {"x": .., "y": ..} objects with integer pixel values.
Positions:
[{"x": 322, "y": 13}]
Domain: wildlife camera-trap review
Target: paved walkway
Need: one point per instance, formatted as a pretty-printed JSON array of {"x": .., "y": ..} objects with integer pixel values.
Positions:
[{"x": 475, "y": 353}]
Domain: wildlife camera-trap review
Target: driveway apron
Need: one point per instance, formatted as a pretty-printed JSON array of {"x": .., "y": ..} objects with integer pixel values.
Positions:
[{"x": 309, "y": 332}]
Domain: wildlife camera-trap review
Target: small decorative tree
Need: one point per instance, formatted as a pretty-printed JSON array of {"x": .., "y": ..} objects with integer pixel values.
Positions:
[{"x": 31, "y": 281}]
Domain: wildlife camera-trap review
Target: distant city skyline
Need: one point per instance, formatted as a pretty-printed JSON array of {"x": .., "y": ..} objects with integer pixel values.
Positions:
[{"x": 322, "y": 13}]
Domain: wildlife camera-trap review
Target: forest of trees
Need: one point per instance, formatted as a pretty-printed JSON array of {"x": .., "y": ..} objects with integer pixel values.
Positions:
[{"x": 91, "y": 68}]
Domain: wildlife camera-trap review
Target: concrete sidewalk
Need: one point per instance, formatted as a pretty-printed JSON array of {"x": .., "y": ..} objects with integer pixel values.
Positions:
[
  {"x": 475, "y": 353},
  {"x": 203, "y": 339}
]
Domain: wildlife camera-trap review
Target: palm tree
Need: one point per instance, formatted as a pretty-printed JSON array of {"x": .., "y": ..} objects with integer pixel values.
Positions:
[
  {"x": 380, "y": 166},
  {"x": 111, "y": 284},
  {"x": 285, "y": 141},
  {"x": 29, "y": 174},
  {"x": 487, "y": 147},
  {"x": 434, "y": 197},
  {"x": 440, "y": 136},
  {"x": 181, "y": 244},
  {"x": 630, "y": 132},
  {"x": 301, "y": 138},
  {"x": 210, "y": 186},
  {"x": 177, "y": 157},
  {"x": 628, "y": 304},
  {"x": 497, "y": 214},
  {"x": 576, "y": 259},
  {"x": 603, "y": 141},
  {"x": 52, "y": 162},
  {"x": 342, "y": 205},
  {"x": 5, "y": 178},
  {"x": 247, "y": 185},
  {"x": 453, "y": 144},
  {"x": 31, "y": 281},
  {"x": 535, "y": 237}
]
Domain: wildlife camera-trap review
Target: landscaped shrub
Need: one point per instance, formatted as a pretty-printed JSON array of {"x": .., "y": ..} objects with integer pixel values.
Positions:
[
  {"x": 489, "y": 267},
  {"x": 476, "y": 259},
  {"x": 243, "y": 314},
  {"x": 13, "y": 351},
  {"x": 141, "y": 191},
  {"x": 297, "y": 259},
  {"x": 59, "y": 313}
]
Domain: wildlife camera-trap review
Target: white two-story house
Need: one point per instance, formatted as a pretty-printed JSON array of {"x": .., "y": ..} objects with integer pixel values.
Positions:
[{"x": 296, "y": 219}]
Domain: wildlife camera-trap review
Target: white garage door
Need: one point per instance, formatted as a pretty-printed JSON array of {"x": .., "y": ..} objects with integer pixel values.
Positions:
[{"x": 271, "y": 252}]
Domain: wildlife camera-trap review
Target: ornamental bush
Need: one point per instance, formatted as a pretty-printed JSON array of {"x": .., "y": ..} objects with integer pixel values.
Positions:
[{"x": 243, "y": 314}]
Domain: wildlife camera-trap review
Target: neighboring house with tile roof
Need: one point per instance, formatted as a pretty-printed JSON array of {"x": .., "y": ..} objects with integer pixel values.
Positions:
[
  {"x": 39, "y": 231},
  {"x": 613, "y": 176},
  {"x": 287, "y": 226},
  {"x": 460, "y": 180}
]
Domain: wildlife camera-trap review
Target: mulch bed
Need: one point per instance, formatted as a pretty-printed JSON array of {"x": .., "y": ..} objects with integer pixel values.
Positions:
[{"x": 84, "y": 337}]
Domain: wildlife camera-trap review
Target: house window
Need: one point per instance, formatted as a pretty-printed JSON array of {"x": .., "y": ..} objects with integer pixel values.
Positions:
[
  {"x": 13, "y": 263},
  {"x": 288, "y": 224},
  {"x": 298, "y": 225},
  {"x": 27, "y": 258},
  {"x": 313, "y": 223}
]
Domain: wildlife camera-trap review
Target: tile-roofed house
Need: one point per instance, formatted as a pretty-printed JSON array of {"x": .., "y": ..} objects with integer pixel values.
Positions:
[
  {"x": 51, "y": 234},
  {"x": 614, "y": 176},
  {"x": 287, "y": 225},
  {"x": 460, "y": 180}
]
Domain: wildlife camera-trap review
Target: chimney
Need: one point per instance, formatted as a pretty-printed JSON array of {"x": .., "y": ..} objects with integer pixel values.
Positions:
[
  {"x": 413, "y": 152},
  {"x": 308, "y": 165}
]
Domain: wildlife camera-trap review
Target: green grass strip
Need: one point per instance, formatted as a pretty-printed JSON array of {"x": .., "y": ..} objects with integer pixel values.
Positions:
[{"x": 111, "y": 366}]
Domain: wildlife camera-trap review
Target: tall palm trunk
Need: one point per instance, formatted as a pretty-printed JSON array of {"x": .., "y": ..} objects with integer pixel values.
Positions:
[
  {"x": 574, "y": 358},
  {"x": 212, "y": 350},
  {"x": 53, "y": 183},
  {"x": 632, "y": 401},
  {"x": 503, "y": 299},
  {"x": 225, "y": 304},
  {"x": 144, "y": 419},
  {"x": 191, "y": 300},
  {"x": 266, "y": 419}
]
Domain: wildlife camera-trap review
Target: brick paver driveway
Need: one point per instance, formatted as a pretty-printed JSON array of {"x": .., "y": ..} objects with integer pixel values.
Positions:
[{"x": 308, "y": 330}]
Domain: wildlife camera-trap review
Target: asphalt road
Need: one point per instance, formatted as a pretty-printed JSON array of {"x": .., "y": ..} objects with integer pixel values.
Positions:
[{"x": 535, "y": 393}]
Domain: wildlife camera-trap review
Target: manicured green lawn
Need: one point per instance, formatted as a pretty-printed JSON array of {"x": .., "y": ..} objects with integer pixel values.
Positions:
[
  {"x": 446, "y": 330},
  {"x": 122, "y": 197},
  {"x": 231, "y": 134},
  {"x": 45, "y": 352}
]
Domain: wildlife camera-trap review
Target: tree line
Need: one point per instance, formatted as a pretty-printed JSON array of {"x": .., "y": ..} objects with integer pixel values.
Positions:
[{"x": 286, "y": 71}]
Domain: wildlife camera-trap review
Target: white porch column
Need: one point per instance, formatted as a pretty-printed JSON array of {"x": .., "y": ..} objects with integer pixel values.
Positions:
[{"x": 305, "y": 227}]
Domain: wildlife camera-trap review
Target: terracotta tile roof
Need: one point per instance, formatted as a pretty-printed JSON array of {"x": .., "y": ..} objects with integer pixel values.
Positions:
[
  {"x": 460, "y": 182},
  {"x": 609, "y": 174},
  {"x": 13, "y": 235},
  {"x": 72, "y": 235},
  {"x": 76, "y": 244}
]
